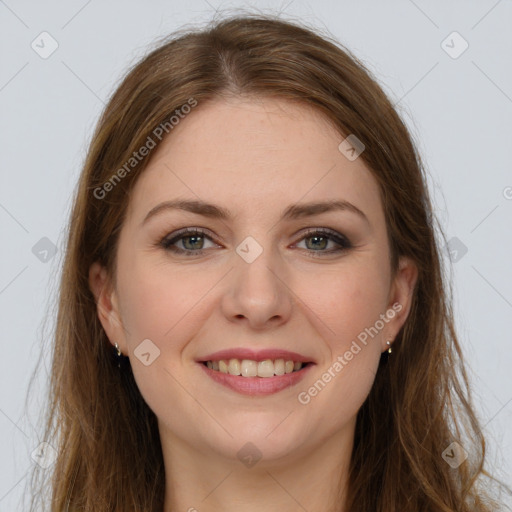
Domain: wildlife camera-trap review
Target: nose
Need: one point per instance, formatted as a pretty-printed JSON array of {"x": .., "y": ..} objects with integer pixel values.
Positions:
[{"x": 257, "y": 293}]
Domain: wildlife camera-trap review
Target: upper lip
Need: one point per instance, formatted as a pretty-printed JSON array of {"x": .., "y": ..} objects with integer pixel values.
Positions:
[{"x": 255, "y": 355}]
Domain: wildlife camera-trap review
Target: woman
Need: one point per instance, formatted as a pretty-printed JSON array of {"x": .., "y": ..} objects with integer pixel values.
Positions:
[{"x": 252, "y": 312}]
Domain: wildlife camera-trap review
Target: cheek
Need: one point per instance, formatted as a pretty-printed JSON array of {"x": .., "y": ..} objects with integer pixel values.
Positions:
[
  {"x": 161, "y": 305},
  {"x": 348, "y": 301},
  {"x": 158, "y": 302},
  {"x": 339, "y": 391},
  {"x": 166, "y": 305}
]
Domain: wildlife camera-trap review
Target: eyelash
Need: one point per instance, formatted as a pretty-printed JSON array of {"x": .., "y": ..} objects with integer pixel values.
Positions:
[{"x": 168, "y": 243}]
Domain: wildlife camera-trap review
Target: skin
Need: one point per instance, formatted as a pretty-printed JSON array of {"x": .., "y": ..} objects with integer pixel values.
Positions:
[{"x": 254, "y": 157}]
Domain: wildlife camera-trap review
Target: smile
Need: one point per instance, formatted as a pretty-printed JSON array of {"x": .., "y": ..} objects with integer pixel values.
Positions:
[
  {"x": 256, "y": 378},
  {"x": 250, "y": 368}
]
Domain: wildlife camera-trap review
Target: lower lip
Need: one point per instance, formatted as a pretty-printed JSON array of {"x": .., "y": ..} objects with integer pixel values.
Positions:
[{"x": 257, "y": 385}]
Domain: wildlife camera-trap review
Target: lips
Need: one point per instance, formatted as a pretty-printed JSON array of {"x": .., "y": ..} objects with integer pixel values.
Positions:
[
  {"x": 252, "y": 372},
  {"x": 255, "y": 355}
]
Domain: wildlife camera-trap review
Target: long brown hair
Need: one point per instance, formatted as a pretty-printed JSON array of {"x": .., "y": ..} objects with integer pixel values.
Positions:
[{"x": 420, "y": 403}]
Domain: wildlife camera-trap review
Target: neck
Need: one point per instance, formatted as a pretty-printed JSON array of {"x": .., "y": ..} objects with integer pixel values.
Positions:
[{"x": 314, "y": 479}]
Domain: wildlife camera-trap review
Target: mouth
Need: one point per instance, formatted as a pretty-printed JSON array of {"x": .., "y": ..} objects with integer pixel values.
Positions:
[
  {"x": 253, "y": 373},
  {"x": 248, "y": 368}
]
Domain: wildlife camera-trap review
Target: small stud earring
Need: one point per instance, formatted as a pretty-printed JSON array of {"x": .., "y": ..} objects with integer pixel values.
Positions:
[
  {"x": 119, "y": 354},
  {"x": 388, "y": 343}
]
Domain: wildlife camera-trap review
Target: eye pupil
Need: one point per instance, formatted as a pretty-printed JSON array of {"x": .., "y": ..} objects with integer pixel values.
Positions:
[
  {"x": 322, "y": 246},
  {"x": 192, "y": 237}
]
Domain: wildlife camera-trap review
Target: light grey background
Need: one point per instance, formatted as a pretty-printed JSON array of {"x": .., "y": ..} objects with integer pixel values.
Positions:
[{"x": 459, "y": 110}]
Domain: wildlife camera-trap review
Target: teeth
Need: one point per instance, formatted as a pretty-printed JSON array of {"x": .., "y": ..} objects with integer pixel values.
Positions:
[
  {"x": 249, "y": 368},
  {"x": 266, "y": 368},
  {"x": 223, "y": 367},
  {"x": 279, "y": 366},
  {"x": 234, "y": 367}
]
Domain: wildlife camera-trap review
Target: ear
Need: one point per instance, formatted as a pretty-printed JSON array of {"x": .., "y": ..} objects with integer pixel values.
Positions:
[
  {"x": 400, "y": 298},
  {"x": 107, "y": 305}
]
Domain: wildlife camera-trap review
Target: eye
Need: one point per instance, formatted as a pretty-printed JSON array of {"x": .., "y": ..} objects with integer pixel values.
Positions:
[
  {"x": 192, "y": 242},
  {"x": 320, "y": 239},
  {"x": 191, "y": 239}
]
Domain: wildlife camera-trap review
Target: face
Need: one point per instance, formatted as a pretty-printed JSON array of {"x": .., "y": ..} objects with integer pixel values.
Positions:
[{"x": 262, "y": 282}]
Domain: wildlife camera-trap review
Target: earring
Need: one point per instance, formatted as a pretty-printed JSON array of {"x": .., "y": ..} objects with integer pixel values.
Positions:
[
  {"x": 388, "y": 343},
  {"x": 119, "y": 354}
]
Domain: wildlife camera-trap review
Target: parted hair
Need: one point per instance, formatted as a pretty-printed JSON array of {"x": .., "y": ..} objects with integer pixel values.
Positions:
[{"x": 109, "y": 456}]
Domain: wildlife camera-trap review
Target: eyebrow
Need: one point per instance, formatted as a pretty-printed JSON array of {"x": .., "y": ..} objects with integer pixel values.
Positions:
[{"x": 294, "y": 211}]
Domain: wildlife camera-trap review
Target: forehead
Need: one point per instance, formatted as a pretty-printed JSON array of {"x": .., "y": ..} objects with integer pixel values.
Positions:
[{"x": 254, "y": 155}]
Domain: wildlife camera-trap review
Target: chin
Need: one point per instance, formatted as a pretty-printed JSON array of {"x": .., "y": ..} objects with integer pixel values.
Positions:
[{"x": 263, "y": 435}]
